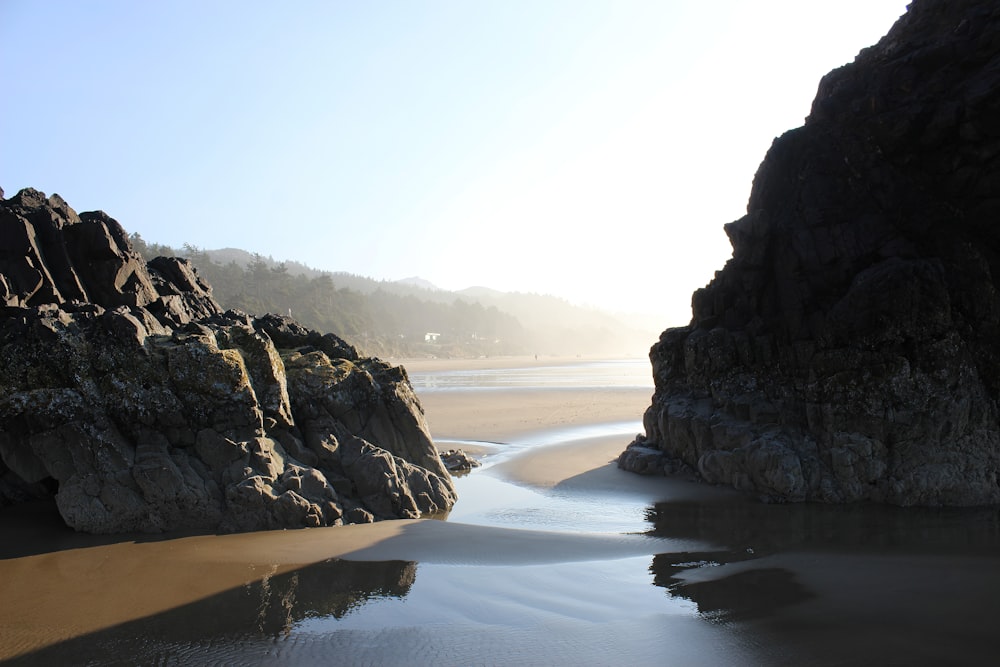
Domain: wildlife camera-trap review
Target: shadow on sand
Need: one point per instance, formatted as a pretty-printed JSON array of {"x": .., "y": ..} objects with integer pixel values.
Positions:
[
  {"x": 239, "y": 625},
  {"x": 36, "y": 527}
]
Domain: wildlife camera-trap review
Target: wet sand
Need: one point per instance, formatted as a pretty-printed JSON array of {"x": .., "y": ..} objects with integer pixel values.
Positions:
[
  {"x": 433, "y": 364},
  {"x": 501, "y": 415},
  {"x": 552, "y": 556}
]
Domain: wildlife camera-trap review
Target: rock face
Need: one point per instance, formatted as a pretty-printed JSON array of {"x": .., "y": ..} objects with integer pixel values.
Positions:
[
  {"x": 850, "y": 349},
  {"x": 127, "y": 393}
]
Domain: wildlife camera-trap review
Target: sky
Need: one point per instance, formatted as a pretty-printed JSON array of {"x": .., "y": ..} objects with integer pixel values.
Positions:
[{"x": 589, "y": 149}]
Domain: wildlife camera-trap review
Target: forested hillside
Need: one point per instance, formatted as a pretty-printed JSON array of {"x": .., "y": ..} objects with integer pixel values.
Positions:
[{"x": 404, "y": 319}]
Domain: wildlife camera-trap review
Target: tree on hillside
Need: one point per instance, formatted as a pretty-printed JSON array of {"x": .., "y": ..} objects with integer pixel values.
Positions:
[{"x": 390, "y": 319}]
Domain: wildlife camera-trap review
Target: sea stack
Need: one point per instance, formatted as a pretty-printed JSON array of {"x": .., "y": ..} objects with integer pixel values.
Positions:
[
  {"x": 850, "y": 349},
  {"x": 132, "y": 398}
]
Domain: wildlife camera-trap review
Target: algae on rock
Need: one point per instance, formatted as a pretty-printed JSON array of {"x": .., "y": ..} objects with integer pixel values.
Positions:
[{"x": 130, "y": 396}]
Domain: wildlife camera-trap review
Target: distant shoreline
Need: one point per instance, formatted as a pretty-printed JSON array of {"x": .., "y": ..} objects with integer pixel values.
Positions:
[{"x": 432, "y": 364}]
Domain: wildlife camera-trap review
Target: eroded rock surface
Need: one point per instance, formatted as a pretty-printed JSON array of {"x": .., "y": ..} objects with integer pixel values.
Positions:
[
  {"x": 127, "y": 393},
  {"x": 849, "y": 349}
]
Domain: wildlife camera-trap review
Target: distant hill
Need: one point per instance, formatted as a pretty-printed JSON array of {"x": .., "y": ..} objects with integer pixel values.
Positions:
[
  {"x": 480, "y": 293},
  {"x": 394, "y": 318},
  {"x": 417, "y": 281}
]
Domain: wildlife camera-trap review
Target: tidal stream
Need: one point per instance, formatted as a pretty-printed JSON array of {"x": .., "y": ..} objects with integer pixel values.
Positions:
[{"x": 603, "y": 568}]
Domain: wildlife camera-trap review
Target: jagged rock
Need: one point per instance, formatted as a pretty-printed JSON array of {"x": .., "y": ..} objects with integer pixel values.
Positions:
[
  {"x": 848, "y": 350},
  {"x": 457, "y": 460},
  {"x": 130, "y": 395}
]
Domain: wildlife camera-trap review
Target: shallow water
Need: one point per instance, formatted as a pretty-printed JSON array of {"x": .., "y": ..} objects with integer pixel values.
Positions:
[
  {"x": 723, "y": 582},
  {"x": 578, "y": 608},
  {"x": 620, "y": 373}
]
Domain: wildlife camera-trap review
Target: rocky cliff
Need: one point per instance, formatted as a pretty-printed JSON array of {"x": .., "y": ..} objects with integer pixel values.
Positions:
[
  {"x": 131, "y": 397},
  {"x": 850, "y": 349}
]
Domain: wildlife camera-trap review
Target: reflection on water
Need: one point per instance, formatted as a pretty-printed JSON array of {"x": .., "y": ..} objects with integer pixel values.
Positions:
[
  {"x": 222, "y": 625},
  {"x": 742, "y": 596},
  {"x": 626, "y": 373},
  {"x": 749, "y": 527},
  {"x": 600, "y": 612},
  {"x": 828, "y": 584}
]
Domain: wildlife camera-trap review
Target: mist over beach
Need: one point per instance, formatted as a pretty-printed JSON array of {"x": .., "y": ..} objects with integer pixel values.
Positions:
[
  {"x": 583, "y": 149},
  {"x": 500, "y": 333}
]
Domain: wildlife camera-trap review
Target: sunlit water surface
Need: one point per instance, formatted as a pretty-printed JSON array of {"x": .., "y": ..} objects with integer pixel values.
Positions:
[
  {"x": 635, "y": 610},
  {"x": 619, "y": 373}
]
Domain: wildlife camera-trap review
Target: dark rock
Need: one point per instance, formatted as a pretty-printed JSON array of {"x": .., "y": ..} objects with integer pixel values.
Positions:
[
  {"x": 129, "y": 394},
  {"x": 848, "y": 350},
  {"x": 457, "y": 460}
]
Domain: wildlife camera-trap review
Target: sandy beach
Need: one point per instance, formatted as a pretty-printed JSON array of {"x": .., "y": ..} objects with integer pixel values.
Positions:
[{"x": 551, "y": 556}]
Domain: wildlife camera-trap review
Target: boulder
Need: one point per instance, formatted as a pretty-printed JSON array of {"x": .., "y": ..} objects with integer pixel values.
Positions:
[
  {"x": 128, "y": 394},
  {"x": 848, "y": 350},
  {"x": 458, "y": 460}
]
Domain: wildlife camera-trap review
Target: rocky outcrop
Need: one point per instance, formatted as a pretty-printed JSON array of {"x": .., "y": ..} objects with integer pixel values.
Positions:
[
  {"x": 127, "y": 393},
  {"x": 849, "y": 349},
  {"x": 458, "y": 461}
]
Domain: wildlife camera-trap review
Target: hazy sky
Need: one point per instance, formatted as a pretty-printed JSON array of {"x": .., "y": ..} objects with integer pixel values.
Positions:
[{"x": 590, "y": 149}]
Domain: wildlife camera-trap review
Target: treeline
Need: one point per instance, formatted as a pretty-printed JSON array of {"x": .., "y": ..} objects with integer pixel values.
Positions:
[{"x": 379, "y": 322}]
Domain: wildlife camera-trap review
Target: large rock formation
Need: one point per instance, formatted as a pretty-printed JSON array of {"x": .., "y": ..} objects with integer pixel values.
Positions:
[
  {"x": 850, "y": 349},
  {"x": 127, "y": 393}
]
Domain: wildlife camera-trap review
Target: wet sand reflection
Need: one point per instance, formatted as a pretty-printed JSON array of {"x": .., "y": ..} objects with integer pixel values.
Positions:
[
  {"x": 224, "y": 625},
  {"x": 834, "y": 585}
]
